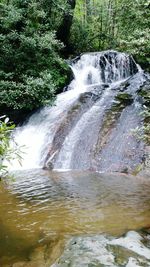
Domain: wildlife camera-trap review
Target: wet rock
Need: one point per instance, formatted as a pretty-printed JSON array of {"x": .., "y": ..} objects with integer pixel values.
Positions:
[
  {"x": 102, "y": 250},
  {"x": 122, "y": 87},
  {"x": 74, "y": 60},
  {"x": 110, "y": 122},
  {"x": 144, "y": 92},
  {"x": 86, "y": 251},
  {"x": 134, "y": 263},
  {"x": 124, "y": 98},
  {"x": 145, "y": 167},
  {"x": 133, "y": 242},
  {"x": 94, "y": 92},
  {"x": 145, "y": 173},
  {"x": 145, "y": 97},
  {"x": 146, "y": 231},
  {"x": 121, "y": 254}
]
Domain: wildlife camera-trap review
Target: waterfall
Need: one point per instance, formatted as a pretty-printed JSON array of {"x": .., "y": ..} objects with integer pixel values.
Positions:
[{"x": 54, "y": 136}]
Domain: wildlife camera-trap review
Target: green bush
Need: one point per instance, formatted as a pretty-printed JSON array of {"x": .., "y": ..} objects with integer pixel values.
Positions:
[
  {"x": 8, "y": 150},
  {"x": 31, "y": 70}
]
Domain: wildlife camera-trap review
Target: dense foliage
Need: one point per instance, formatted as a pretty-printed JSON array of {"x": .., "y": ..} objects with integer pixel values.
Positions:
[{"x": 31, "y": 69}]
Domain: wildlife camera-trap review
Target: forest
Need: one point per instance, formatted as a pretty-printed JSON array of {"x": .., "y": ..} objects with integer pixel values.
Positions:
[{"x": 36, "y": 37}]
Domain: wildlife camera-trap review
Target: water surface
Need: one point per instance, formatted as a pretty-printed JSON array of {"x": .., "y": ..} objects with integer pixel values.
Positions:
[{"x": 42, "y": 206}]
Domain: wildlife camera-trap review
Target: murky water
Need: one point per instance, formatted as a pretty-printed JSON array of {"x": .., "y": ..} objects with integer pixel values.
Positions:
[{"x": 40, "y": 206}]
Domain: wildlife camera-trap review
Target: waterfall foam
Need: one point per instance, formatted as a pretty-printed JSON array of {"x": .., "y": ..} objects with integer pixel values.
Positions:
[{"x": 104, "y": 70}]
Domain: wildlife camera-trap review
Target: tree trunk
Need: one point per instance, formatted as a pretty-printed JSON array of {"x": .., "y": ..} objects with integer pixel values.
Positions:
[{"x": 63, "y": 32}]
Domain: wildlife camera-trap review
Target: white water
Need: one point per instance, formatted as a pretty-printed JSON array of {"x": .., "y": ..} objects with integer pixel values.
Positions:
[
  {"x": 37, "y": 134},
  {"x": 40, "y": 129},
  {"x": 65, "y": 155}
]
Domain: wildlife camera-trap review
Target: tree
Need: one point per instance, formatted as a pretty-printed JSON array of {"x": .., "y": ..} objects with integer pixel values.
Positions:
[
  {"x": 31, "y": 69},
  {"x": 135, "y": 30},
  {"x": 63, "y": 32}
]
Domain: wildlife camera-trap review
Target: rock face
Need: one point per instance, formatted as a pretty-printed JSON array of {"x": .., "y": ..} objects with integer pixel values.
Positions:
[{"x": 102, "y": 250}]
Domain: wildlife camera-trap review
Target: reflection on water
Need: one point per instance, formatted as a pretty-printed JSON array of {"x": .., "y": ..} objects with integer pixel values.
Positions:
[{"x": 40, "y": 206}]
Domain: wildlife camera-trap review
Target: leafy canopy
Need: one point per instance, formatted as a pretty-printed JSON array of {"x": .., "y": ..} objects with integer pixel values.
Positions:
[{"x": 113, "y": 24}]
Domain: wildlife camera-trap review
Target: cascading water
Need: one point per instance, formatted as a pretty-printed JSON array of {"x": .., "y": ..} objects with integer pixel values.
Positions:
[{"x": 65, "y": 136}]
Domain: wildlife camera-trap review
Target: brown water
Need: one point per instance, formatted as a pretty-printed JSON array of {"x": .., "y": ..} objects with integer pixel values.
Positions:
[{"x": 41, "y": 206}]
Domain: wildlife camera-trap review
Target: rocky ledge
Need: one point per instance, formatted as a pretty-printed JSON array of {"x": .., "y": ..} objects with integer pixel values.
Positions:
[{"x": 131, "y": 250}]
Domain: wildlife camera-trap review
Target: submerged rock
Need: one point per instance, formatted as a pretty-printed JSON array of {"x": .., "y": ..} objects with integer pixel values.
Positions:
[{"x": 42, "y": 256}]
